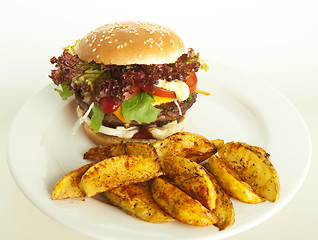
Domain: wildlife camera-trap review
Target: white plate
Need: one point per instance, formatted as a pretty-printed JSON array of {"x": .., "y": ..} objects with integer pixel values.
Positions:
[{"x": 41, "y": 149}]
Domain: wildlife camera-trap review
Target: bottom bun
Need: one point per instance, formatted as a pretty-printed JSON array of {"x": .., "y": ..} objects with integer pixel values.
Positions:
[{"x": 104, "y": 139}]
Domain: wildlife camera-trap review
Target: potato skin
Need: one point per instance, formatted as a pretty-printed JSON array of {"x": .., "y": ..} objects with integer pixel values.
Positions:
[
  {"x": 224, "y": 209},
  {"x": 101, "y": 152},
  {"x": 188, "y": 145},
  {"x": 137, "y": 200},
  {"x": 191, "y": 178},
  {"x": 68, "y": 185},
  {"x": 231, "y": 182},
  {"x": 253, "y": 167},
  {"x": 118, "y": 171},
  {"x": 180, "y": 205}
]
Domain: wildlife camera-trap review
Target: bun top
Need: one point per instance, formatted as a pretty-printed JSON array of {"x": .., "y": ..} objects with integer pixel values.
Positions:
[{"x": 123, "y": 43}]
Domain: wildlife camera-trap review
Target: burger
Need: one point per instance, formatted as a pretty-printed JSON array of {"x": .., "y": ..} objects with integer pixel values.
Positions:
[{"x": 132, "y": 81}]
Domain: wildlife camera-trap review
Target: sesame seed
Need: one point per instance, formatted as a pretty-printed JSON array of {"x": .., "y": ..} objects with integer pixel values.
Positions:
[
  {"x": 150, "y": 45},
  {"x": 101, "y": 40},
  {"x": 140, "y": 55},
  {"x": 116, "y": 40},
  {"x": 97, "y": 56},
  {"x": 86, "y": 40},
  {"x": 125, "y": 44},
  {"x": 94, "y": 49},
  {"x": 110, "y": 42},
  {"x": 90, "y": 44},
  {"x": 130, "y": 41}
]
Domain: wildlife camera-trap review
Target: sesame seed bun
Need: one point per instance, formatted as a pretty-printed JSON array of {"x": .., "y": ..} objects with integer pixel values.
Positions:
[{"x": 124, "y": 43}]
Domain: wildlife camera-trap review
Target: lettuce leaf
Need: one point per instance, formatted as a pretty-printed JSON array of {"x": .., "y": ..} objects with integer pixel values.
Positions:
[
  {"x": 71, "y": 48},
  {"x": 65, "y": 93},
  {"x": 140, "y": 109},
  {"x": 97, "y": 118},
  {"x": 204, "y": 66}
]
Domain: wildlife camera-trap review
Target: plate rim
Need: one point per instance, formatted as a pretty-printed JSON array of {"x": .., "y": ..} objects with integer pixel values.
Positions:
[{"x": 216, "y": 65}]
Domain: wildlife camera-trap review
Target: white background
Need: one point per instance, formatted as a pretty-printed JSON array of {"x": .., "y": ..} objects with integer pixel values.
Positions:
[{"x": 276, "y": 41}]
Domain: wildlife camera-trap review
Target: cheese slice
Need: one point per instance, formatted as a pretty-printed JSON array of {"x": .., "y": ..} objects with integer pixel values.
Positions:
[
  {"x": 120, "y": 115},
  {"x": 159, "y": 100}
]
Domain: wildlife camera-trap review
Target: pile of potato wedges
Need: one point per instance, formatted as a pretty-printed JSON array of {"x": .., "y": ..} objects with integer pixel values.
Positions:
[{"x": 185, "y": 177}]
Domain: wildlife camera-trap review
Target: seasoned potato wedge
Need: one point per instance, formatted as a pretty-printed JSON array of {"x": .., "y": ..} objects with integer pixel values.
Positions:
[
  {"x": 137, "y": 200},
  {"x": 253, "y": 167},
  {"x": 143, "y": 149},
  {"x": 180, "y": 205},
  {"x": 191, "y": 178},
  {"x": 224, "y": 209},
  {"x": 102, "y": 152},
  {"x": 218, "y": 143},
  {"x": 231, "y": 182},
  {"x": 118, "y": 171},
  {"x": 68, "y": 185},
  {"x": 184, "y": 144}
]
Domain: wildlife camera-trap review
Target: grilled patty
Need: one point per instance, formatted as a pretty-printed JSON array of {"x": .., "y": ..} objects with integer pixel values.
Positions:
[{"x": 170, "y": 112}]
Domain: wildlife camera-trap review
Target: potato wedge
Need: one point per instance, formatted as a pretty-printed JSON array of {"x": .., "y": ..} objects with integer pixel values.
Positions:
[
  {"x": 230, "y": 181},
  {"x": 224, "y": 209},
  {"x": 253, "y": 167},
  {"x": 143, "y": 149},
  {"x": 184, "y": 144},
  {"x": 137, "y": 200},
  {"x": 180, "y": 205},
  {"x": 68, "y": 185},
  {"x": 190, "y": 177},
  {"x": 118, "y": 171},
  {"x": 102, "y": 152},
  {"x": 218, "y": 143}
]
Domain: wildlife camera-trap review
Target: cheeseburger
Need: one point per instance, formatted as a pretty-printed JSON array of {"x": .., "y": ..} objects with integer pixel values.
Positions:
[{"x": 132, "y": 81}]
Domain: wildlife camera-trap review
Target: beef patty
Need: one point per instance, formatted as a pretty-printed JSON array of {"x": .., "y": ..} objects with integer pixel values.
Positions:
[{"x": 171, "y": 111}]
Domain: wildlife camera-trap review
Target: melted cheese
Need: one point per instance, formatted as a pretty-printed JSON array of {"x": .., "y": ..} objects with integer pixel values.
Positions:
[
  {"x": 120, "y": 115},
  {"x": 159, "y": 100}
]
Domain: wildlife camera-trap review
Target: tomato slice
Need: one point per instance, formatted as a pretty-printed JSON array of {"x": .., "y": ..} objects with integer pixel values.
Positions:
[
  {"x": 157, "y": 91},
  {"x": 108, "y": 105},
  {"x": 135, "y": 90},
  {"x": 191, "y": 81}
]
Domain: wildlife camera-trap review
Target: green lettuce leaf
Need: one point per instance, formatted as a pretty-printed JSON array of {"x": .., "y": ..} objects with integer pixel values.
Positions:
[
  {"x": 65, "y": 93},
  {"x": 71, "y": 48},
  {"x": 203, "y": 65},
  {"x": 140, "y": 109},
  {"x": 97, "y": 118}
]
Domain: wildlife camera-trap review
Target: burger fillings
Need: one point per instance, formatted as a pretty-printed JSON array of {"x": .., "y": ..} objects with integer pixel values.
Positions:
[{"x": 132, "y": 79}]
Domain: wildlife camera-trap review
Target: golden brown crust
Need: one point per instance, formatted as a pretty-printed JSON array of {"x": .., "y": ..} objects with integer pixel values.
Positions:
[{"x": 123, "y": 43}]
